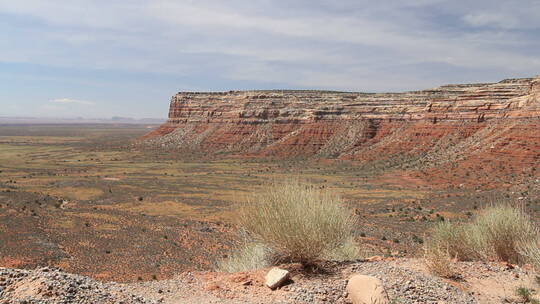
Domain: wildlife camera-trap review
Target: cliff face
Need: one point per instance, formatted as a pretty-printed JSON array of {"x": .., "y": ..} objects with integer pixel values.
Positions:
[
  {"x": 509, "y": 98},
  {"x": 437, "y": 125}
]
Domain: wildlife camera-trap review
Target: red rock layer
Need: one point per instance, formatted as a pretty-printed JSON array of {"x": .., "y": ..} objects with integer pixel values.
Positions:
[{"x": 454, "y": 122}]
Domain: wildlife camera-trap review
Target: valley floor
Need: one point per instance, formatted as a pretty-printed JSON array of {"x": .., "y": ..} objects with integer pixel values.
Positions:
[{"x": 88, "y": 201}]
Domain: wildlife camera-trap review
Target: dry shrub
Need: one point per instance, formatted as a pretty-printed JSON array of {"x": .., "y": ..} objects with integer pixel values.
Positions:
[
  {"x": 526, "y": 295},
  {"x": 531, "y": 253},
  {"x": 439, "y": 262},
  {"x": 498, "y": 233},
  {"x": 348, "y": 251},
  {"x": 247, "y": 257},
  {"x": 299, "y": 223},
  {"x": 502, "y": 233},
  {"x": 454, "y": 240}
]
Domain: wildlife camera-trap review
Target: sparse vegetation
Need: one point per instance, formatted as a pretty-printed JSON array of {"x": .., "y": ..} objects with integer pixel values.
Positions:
[
  {"x": 348, "y": 251},
  {"x": 526, "y": 295},
  {"x": 417, "y": 239},
  {"x": 184, "y": 217},
  {"x": 498, "y": 233},
  {"x": 296, "y": 222},
  {"x": 396, "y": 301},
  {"x": 503, "y": 233},
  {"x": 439, "y": 262},
  {"x": 451, "y": 239},
  {"x": 246, "y": 257}
]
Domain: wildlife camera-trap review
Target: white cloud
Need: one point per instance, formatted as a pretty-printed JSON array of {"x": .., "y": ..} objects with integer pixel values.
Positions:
[
  {"x": 315, "y": 43},
  {"x": 507, "y": 16},
  {"x": 72, "y": 101}
]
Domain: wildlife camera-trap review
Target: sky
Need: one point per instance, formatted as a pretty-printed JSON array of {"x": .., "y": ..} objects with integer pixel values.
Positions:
[{"x": 103, "y": 58}]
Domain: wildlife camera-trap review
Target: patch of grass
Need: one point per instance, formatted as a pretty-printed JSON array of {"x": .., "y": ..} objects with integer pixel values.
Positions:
[
  {"x": 417, "y": 239},
  {"x": 247, "y": 257},
  {"x": 77, "y": 193},
  {"x": 503, "y": 233},
  {"x": 454, "y": 240},
  {"x": 348, "y": 251},
  {"x": 498, "y": 233},
  {"x": 397, "y": 300},
  {"x": 438, "y": 262},
  {"x": 526, "y": 295},
  {"x": 299, "y": 223}
]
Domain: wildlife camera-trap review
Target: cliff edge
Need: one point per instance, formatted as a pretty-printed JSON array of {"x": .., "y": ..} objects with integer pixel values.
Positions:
[{"x": 493, "y": 121}]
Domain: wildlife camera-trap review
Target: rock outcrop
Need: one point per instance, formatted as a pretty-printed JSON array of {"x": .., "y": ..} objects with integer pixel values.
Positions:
[{"x": 438, "y": 125}]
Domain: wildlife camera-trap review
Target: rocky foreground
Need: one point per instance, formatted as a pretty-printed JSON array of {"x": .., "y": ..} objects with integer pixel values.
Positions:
[{"x": 404, "y": 281}]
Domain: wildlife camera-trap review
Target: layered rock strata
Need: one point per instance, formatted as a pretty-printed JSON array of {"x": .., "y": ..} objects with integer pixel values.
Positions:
[{"x": 439, "y": 125}]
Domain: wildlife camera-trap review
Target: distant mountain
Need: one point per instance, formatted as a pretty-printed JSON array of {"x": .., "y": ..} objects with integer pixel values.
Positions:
[{"x": 79, "y": 120}]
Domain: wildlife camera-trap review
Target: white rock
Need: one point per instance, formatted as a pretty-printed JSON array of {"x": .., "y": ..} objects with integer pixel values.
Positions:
[
  {"x": 364, "y": 289},
  {"x": 276, "y": 277}
]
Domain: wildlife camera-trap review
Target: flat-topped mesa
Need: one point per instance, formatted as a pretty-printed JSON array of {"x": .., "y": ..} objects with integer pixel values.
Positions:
[
  {"x": 508, "y": 98},
  {"x": 498, "y": 122}
]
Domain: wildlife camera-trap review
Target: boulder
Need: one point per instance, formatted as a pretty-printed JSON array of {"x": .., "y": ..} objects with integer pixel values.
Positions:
[
  {"x": 276, "y": 277},
  {"x": 364, "y": 289}
]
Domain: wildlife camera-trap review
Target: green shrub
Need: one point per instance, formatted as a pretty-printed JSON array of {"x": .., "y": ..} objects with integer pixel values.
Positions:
[
  {"x": 299, "y": 223},
  {"x": 526, "y": 295}
]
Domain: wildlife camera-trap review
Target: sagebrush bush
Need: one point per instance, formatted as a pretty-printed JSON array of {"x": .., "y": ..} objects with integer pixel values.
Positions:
[
  {"x": 299, "y": 223},
  {"x": 438, "y": 261},
  {"x": 497, "y": 233},
  {"x": 531, "y": 253},
  {"x": 453, "y": 239},
  {"x": 503, "y": 232},
  {"x": 348, "y": 251},
  {"x": 246, "y": 257}
]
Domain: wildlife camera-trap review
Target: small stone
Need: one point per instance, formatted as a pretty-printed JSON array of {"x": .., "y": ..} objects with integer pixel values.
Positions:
[
  {"x": 375, "y": 258},
  {"x": 366, "y": 290},
  {"x": 276, "y": 277}
]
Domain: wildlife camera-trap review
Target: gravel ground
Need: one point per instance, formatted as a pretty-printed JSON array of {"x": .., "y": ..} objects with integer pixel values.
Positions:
[
  {"x": 406, "y": 286},
  {"x": 404, "y": 280},
  {"x": 319, "y": 291},
  {"x": 402, "y": 285},
  {"x": 49, "y": 285}
]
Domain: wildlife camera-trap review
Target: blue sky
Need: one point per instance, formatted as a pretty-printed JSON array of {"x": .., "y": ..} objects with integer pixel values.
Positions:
[{"x": 101, "y": 58}]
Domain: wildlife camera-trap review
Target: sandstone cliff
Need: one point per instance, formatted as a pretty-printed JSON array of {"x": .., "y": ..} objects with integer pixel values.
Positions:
[{"x": 438, "y": 125}]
